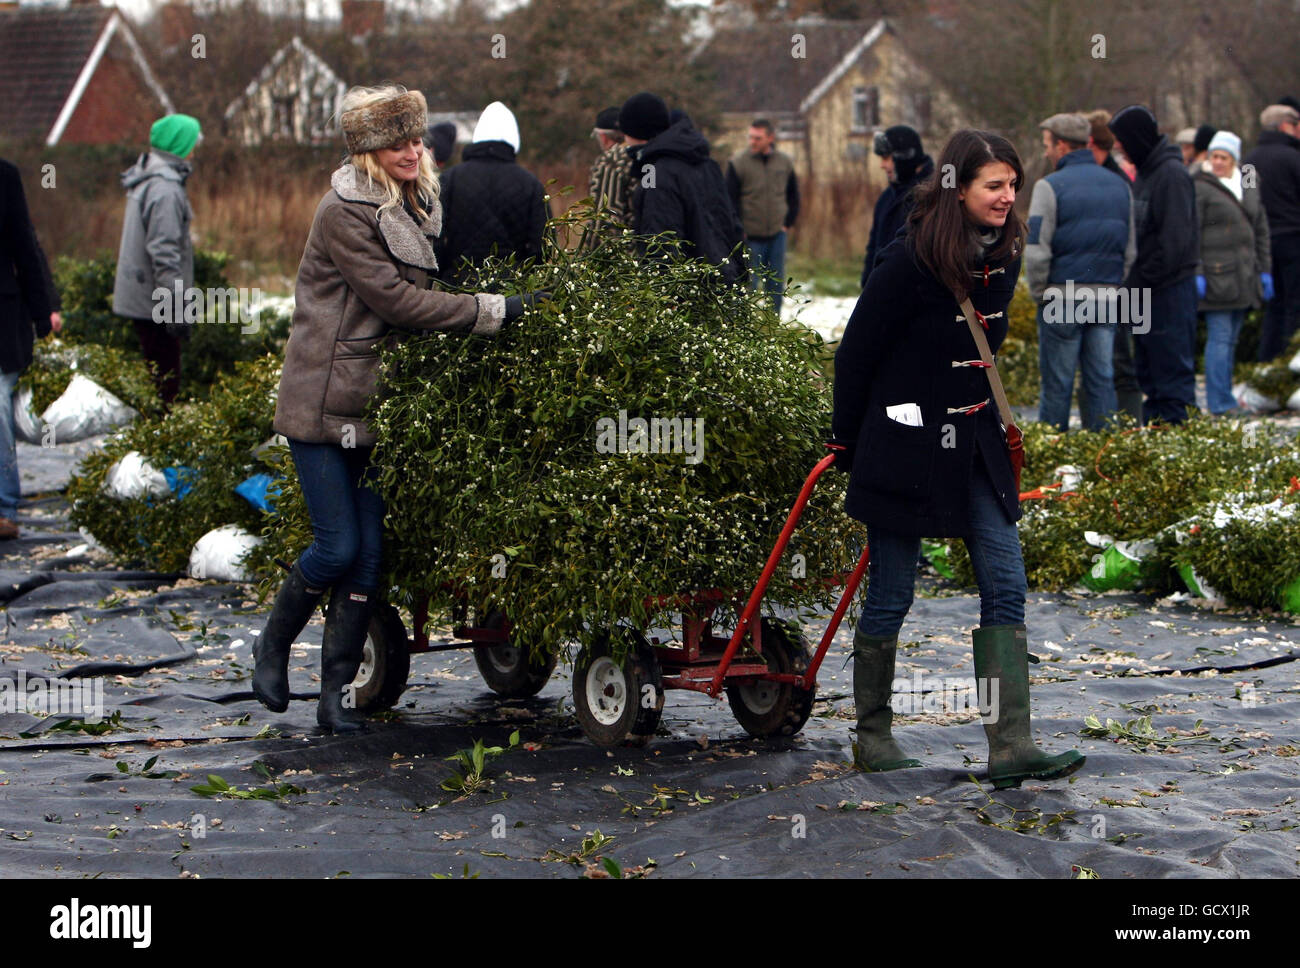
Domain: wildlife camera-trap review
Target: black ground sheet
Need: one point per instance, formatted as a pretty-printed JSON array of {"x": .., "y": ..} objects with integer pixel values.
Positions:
[{"x": 1198, "y": 778}]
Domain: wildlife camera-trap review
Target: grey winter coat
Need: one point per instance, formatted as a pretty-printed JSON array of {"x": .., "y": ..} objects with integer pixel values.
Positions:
[
  {"x": 1235, "y": 245},
  {"x": 362, "y": 274},
  {"x": 156, "y": 249}
]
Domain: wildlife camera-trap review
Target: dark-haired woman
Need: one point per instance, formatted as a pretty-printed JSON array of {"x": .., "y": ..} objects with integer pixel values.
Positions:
[{"x": 925, "y": 449}]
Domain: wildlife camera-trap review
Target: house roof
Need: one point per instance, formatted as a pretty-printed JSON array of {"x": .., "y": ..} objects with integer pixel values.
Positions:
[
  {"x": 414, "y": 57},
  {"x": 755, "y": 68},
  {"x": 268, "y": 72},
  {"x": 48, "y": 56}
]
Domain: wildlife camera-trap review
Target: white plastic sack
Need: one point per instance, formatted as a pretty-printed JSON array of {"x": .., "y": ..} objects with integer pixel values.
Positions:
[
  {"x": 1294, "y": 365},
  {"x": 27, "y": 426},
  {"x": 1069, "y": 476},
  {"x": 84, "y": 410},
  {"x": 1252, "y": 401},
  {"x": 1293, "y": 401},
  {"x": 275, "y": 440},
  {"x": 133, "y": 476},
  {"x": 219, "y": 554}
]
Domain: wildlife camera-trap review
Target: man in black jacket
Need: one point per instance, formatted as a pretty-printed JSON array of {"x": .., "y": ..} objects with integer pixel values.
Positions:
[
  {"x": 25, "y": 309},
  {"x": 679, "y": 188},
  {"x": 1276, "y": 164},
  {"x": 489, "y": 203},
  {"x": 1163, "y": 278},
  {"x": 906, "y": 165}
]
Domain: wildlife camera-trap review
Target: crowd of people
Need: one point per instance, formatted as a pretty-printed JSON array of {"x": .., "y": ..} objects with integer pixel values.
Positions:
[{"x": 1127, "y": 218}]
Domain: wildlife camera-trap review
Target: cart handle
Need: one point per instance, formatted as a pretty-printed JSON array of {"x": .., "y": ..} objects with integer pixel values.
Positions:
[{"x": 756, "y": 596}]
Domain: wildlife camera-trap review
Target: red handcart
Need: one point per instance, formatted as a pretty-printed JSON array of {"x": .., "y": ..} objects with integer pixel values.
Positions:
[{"x": 619, "y": 686}]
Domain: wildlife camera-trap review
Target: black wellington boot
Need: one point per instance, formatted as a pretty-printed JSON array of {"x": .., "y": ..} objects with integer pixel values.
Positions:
[
  {"x": 346, "y": 622},
  {"x": 294, "y": 605}
]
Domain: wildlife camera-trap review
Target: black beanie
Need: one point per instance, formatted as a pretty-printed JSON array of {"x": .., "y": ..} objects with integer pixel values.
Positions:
[
  {"x": 1289, "y": 101},
  {"x": 643, "y": 116},
  {"x": 1135, "y": 127},
  {"x": 905, "y": 149},
  {"x": 1204, "y": 135},
  {"x": 442, "y": 139}
]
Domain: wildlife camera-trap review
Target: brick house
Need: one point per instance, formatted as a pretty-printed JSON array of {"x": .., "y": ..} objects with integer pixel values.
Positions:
[{"x": 75, "y": 75}]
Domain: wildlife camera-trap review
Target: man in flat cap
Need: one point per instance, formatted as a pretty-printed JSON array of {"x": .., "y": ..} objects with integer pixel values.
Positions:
[
  {"x": 610, "y": 181},
  {"x": 1081, "y": 240}
]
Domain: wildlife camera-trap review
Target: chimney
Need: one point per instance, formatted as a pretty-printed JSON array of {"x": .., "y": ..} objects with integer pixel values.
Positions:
[
  {"x": 362, "y": 17},
  {"x": 176, "y": 24}
]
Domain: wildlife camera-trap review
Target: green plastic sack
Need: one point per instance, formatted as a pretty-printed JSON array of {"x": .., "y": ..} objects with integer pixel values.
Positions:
[
  {"x": 1290, "y": 597},
  {"x": 936, "y": 553},
  {"x": 1121, "y": 564},
  {"x": 1198, "y": 585}
]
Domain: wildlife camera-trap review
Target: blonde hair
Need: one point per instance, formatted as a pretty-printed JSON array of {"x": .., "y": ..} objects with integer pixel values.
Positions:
[{"x": 420, "y": 193}]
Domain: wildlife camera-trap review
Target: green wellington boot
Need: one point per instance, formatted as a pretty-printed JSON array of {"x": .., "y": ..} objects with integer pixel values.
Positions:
[
  {"x": 1002, "y": 661},
  {"x": 873, "y": 685}
]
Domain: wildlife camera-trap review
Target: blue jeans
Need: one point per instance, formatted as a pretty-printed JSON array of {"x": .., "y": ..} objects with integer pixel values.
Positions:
[
  {"x": 10, "y": 488},
  {"x": 1223, "y": 326},
  {"x": 347, "y": 516},
  {"x": 1063, "y": 347},
  {"x": 994, "y": 546},
  {"x": 767, "y": 266},
  {"x": 1166, "y": 354}
]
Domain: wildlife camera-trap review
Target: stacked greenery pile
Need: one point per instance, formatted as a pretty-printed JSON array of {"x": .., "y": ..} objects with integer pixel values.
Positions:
[
  {"x": 1162, "y": 484},
  {"x": 55, "y": 362},
  {"x": 211, "y": 443},
  {"x": 494, "y": 469},
  {"x": 1018, "y": 354},
  {"x": 212, "y": 348},
  {"x": 1274, "y": 380}
]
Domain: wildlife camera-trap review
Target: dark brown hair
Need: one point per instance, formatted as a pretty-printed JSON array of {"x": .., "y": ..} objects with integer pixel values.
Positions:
[{"x": 942, "y": 235}]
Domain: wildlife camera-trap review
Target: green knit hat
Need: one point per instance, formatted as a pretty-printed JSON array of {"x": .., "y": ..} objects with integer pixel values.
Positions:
[{"x": 176, "y": 133}]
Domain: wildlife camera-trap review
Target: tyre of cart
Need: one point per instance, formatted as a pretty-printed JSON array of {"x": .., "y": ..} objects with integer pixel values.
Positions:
[{"x": 619, "y": 681}]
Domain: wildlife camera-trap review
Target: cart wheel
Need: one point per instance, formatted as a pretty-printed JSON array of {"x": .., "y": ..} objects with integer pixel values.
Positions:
[
  {"x": 618, "y": 704},
  {"x": 767, "y": 709},
  {"x": 509, "y": 671},
  {"x": 385, "y": 662}
]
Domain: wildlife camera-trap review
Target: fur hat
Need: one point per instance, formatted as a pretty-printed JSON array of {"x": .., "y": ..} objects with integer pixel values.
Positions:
[{"x": 384, "y": 123}]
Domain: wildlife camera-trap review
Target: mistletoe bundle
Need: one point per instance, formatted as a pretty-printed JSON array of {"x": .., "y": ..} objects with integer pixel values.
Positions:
[
  {"x": 1137, "y": 485},
  {"x": 205, "y": 448},
  {"x": 644, "y": 434},
  {"x": 55, "y": 362}
]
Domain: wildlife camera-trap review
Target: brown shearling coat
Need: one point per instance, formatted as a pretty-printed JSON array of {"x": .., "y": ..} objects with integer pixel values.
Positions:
[{"x": 363, "y": 274}]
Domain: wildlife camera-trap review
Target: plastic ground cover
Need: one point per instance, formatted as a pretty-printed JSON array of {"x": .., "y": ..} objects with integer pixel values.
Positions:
[{"x": 1168, "y": 799}]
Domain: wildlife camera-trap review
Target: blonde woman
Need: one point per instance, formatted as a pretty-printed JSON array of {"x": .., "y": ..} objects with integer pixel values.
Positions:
[{"x": 367, "y": 268}]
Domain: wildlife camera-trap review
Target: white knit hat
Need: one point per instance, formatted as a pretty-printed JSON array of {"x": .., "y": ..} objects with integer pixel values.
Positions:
[
  {"x": 497, "y": 123},
  {"x": 1226, "y": 141}
]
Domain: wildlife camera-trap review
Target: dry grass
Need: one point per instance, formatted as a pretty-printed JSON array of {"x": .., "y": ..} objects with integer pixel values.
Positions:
[{"x": 258, "y": 205}]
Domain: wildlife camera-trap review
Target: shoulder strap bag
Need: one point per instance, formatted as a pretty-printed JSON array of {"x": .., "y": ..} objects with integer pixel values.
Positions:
[{"x": 1015, "y": 441}]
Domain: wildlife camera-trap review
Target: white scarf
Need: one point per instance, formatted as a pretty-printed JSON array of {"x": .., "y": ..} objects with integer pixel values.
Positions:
[{"x": 1233, "y": 182}]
